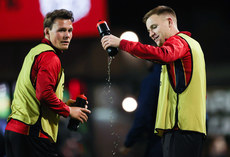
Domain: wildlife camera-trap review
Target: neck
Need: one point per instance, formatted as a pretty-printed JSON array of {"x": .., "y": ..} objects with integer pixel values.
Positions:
[
  {"x": 46, "y": 37},
  {"x": 174, "y": 30}
]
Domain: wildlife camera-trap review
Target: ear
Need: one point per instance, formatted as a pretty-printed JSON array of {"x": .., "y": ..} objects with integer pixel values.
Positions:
[
  {"x": 46, "y": 33},
  {"x": 170, "y": 22}
]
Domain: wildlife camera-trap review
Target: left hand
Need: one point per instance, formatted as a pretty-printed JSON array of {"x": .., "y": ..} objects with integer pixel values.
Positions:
[
  {"x": 124, "y": 150},
  {"x": 70, "y": 101}
]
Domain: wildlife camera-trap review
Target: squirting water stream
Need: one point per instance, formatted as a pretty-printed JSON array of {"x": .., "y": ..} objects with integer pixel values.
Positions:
[{"x": 115, "y": 135}]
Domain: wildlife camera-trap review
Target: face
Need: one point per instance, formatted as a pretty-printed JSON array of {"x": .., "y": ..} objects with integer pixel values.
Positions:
[
  {"x": 61, "y": 33},
  {"x": 158, "y": 28}
]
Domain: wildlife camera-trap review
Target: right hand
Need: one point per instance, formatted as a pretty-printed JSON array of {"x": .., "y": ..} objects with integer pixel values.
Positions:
[
  {"x": 110, "y": 41},
  {"x": 79, "y": 113}
]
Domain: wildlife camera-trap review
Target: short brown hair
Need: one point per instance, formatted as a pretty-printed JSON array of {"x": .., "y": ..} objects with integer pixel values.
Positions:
[
  {"x": 60, "y": 14},
  {"x": 158, "y": 11}
]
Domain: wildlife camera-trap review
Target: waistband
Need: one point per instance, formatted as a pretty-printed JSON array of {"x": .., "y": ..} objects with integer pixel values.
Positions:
[{"x": 22, "y": 128}]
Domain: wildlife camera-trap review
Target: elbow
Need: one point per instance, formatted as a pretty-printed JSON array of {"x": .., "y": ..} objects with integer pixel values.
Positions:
[{"x": 42, "y": 96}]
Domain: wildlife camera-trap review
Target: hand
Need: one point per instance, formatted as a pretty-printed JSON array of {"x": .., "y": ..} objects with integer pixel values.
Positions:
[
  {"x": 79, "y": 113},
  {"x": 124, "y": 150},
  {"x": 110, "y": 41},
  {"x": 70, "y": 101}
]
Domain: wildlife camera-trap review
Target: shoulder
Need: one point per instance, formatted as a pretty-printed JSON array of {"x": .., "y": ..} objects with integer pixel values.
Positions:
[
  {"x": 48, "y": 55},
  {"x": 48, "y": 58},
  {"x": 178, "y": 41}
]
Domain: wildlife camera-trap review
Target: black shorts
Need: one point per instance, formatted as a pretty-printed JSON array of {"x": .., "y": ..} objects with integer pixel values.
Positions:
[
  {"x": 19, "y": 145},
  {"x": 179, "y": 143}
]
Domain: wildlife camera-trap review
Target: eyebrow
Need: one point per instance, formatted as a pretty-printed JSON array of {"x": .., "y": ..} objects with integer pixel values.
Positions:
[{"x": 63, "y": 28}]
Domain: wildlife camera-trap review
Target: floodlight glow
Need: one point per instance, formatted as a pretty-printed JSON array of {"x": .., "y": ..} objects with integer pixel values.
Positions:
[
  {"x": 129, "y": 35},
  {"x": 129, "y": 104},
  {"x": 79, "y": 8}
]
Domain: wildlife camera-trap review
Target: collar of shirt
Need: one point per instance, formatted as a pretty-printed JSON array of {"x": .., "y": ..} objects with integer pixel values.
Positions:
[
  {"x": 184, "y": 32},
  {"x": 46, "y": 41}
]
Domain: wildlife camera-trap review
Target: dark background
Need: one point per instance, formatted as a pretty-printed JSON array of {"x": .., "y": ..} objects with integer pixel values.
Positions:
[{"x": 208, "y": 21}]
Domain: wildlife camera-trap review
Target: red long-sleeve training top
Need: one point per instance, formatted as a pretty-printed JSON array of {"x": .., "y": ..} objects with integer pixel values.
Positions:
[
  {"x": 45, "y": 71},
  {"x": 44, "y": 74},
  {"x": 175, "y": 53}
]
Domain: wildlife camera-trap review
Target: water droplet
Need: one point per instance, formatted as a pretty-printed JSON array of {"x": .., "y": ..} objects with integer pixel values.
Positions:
[
  {"x": 109, "y": 98},
  {"x": 114, "y": 153}
]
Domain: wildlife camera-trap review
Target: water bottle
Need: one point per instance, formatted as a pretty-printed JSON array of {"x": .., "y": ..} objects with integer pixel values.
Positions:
[
  {"x": 103, "y": 30},
  {"x": 80, "y": 102}
]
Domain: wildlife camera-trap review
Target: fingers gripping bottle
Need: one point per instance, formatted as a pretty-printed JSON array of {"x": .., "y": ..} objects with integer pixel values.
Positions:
[
  {"x": 103, "y": 30},
  {"x": 80, "y": 102}
]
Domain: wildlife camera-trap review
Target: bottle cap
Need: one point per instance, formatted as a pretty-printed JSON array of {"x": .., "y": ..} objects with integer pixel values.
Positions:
[
  {"x": 82, "y": 96},
  {"x": 100, "y": 22}
]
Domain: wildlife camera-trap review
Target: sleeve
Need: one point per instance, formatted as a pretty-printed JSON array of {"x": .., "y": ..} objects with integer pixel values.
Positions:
[
  {"x": 49, "y": 66},
  {"x": 172, "y": 49}
]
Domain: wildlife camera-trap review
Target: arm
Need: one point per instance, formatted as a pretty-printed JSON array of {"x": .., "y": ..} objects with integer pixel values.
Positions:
[
  {"x": 48, "y": 66},
  {"x": 173, "y": 49}
]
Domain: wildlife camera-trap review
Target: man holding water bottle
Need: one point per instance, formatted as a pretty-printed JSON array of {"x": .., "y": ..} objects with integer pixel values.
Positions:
[{"x": 181, "y": 112}]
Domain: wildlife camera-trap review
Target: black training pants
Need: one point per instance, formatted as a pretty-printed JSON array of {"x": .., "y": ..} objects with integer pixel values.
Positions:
[
  {"x": 18, "y": 145},
  {"x": 182, "y": 144}
]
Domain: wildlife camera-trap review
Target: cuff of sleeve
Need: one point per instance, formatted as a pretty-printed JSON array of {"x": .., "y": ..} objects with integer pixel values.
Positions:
[
  {"x": 67, "y": 110},
  {"x": 122, "y": 44}
]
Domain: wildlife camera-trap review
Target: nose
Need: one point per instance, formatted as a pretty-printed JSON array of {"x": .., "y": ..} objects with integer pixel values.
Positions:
[
  {"x": 67, "y": 34},
  {"x": 151, "y": 33}
]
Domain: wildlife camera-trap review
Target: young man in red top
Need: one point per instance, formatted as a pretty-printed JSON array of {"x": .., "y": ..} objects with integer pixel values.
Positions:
[
  {"x": 33, "y": 124},
  {"x": 181, "y": 111}
]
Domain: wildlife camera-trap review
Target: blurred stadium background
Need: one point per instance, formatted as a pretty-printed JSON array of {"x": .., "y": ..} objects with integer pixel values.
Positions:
[{"x": 86, "y": 66}]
